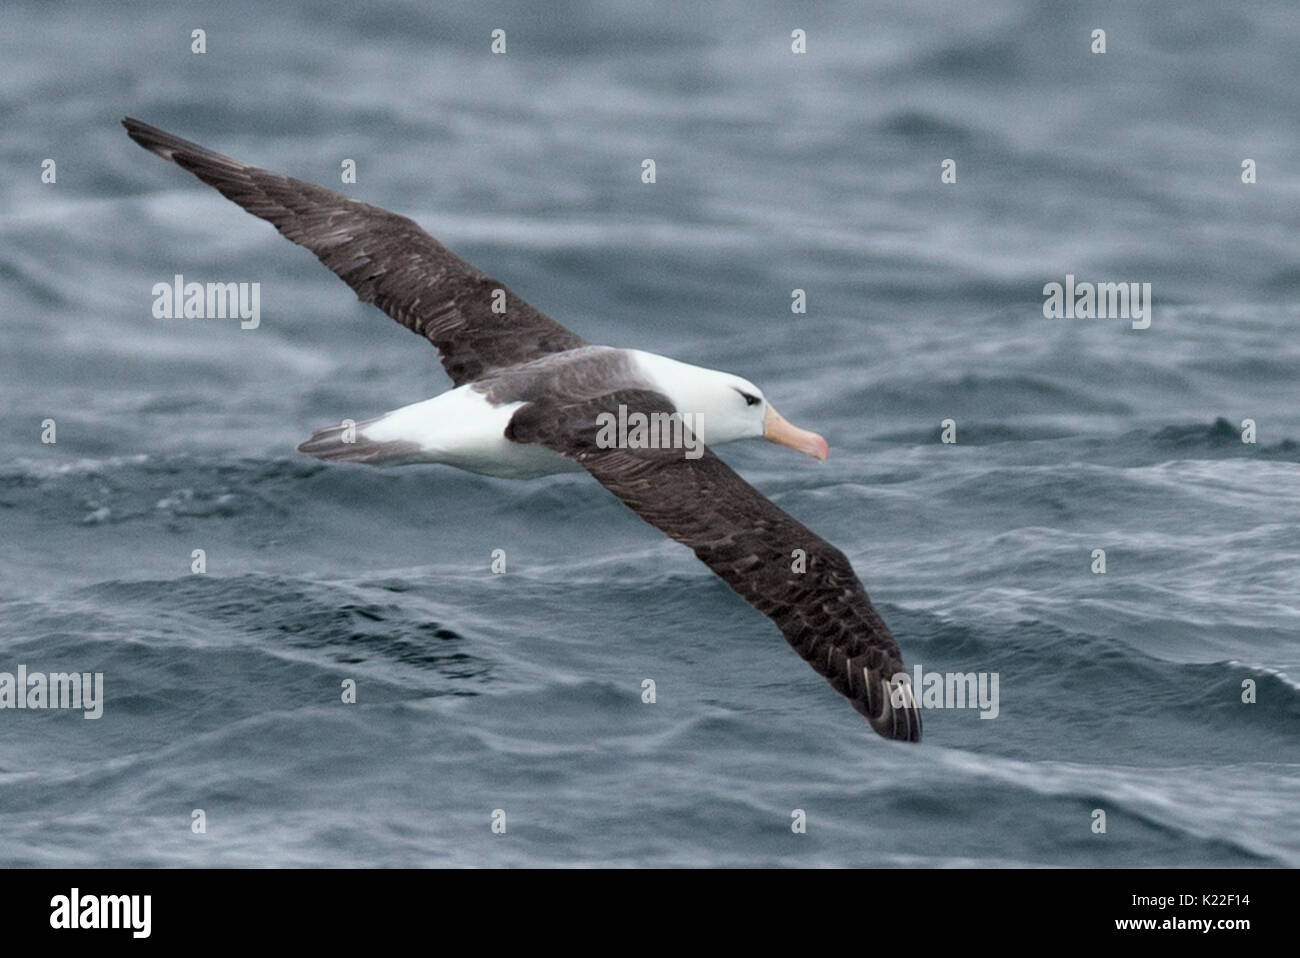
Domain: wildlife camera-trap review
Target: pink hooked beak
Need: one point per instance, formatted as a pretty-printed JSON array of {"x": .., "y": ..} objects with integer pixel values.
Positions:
[{"x": 777, "y": 429}]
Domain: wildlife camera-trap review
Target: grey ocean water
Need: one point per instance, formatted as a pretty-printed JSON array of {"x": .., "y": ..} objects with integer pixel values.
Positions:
[{"x": 521, "y": 692}]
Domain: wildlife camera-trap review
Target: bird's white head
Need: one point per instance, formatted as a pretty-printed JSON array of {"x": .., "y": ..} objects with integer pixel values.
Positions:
[{"x": 720, "y": 407}]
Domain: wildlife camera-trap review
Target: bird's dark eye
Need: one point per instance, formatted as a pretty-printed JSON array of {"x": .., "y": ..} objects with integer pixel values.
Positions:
[{"x": 750, "y": 400}]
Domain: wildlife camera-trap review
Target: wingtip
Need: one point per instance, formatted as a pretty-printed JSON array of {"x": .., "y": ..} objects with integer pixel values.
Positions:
[
  {"x": 152, "y": 138},
  {"x": 168, "y": 145},
  {"x": 900, "y": 714},
  {"x": 136, "y": 129}
]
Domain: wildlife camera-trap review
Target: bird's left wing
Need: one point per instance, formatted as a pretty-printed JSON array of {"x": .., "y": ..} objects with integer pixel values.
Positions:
[{"x": 823, "y": 610}]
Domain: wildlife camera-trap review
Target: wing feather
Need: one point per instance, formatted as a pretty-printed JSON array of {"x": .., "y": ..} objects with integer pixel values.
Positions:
[
  {"x": 387, "y": 259},
  {"x": 823, "y": 611}
]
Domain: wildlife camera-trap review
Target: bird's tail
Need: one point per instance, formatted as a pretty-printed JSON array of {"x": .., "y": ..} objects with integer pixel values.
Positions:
[{"x": 347, "y": 442}]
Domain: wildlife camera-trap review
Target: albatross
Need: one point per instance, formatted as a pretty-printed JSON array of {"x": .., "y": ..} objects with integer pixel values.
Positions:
[{"x": 530, "y": 398}]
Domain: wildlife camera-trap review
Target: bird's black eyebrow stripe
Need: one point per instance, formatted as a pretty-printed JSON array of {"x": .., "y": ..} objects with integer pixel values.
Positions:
[{"x": 749, "y": 400}]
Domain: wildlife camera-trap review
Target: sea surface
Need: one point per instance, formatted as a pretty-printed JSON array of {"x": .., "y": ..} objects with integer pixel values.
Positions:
[{"x": 517, "y": 698}]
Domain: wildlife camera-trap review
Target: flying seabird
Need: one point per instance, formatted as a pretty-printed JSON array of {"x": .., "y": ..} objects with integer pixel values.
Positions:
[{"x": 530, "y": 398}]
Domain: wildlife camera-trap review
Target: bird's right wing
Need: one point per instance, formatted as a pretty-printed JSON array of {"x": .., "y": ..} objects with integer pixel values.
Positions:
[
  {"x": 386, "y": 259},
  {"x": 823, "y": 610}
]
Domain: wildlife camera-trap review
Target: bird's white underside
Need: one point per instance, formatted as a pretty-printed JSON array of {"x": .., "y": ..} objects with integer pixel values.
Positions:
[{"x": 462, "y": 428}]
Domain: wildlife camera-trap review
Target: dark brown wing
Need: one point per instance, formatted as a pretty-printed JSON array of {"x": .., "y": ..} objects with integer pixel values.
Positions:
[
  {"x": 823, "y": 612},
  {"x": 387, "y": 259}
]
